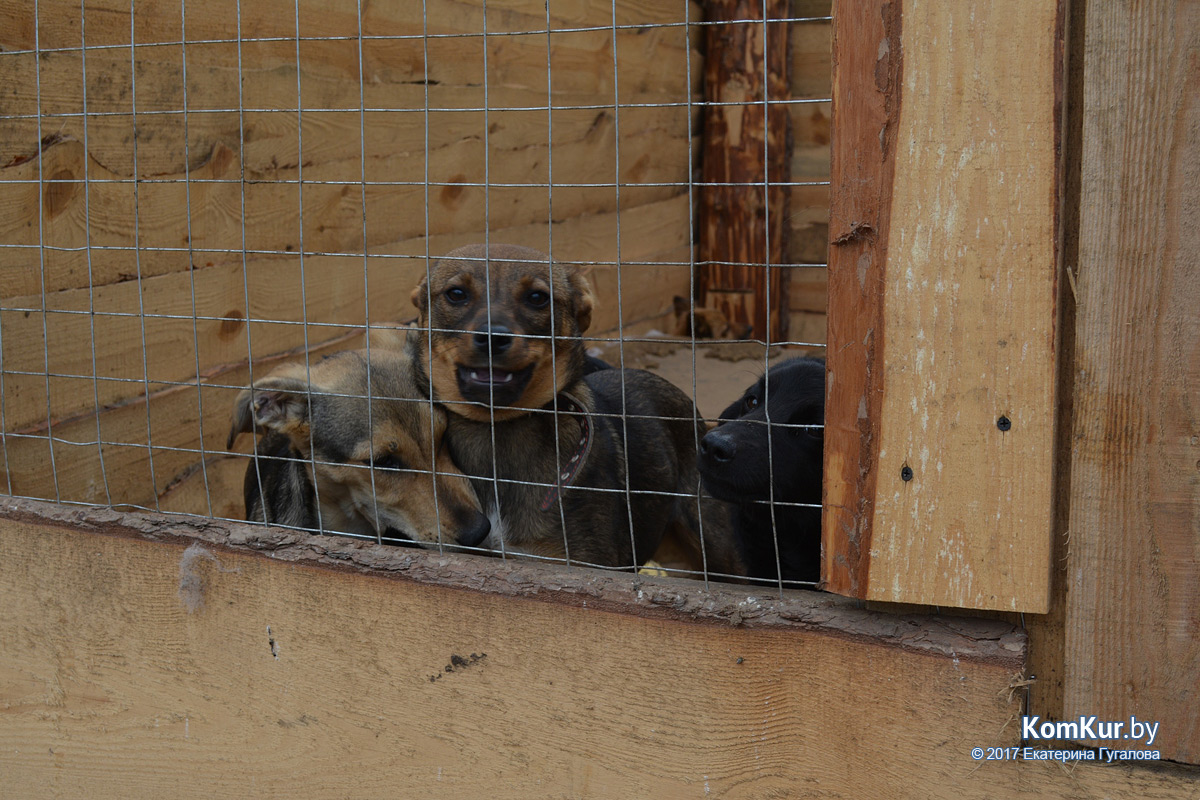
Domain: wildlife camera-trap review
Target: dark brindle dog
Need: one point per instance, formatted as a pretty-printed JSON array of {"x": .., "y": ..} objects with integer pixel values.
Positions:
[
  {"x": 329, "y": 461},
  {"x": 744, "y": 463},
  {"x": 499, "y": 339}
]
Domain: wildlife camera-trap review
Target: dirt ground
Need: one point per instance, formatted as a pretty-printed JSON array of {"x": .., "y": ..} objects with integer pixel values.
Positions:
[{"x": 723, "y": 369}]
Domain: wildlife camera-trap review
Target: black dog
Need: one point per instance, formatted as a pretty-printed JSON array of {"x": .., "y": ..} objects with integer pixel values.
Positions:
[{"x": 737, "y": 465}]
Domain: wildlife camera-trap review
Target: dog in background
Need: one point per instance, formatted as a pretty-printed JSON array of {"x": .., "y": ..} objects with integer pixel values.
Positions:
[
  {"x": 705, "y": 323},
  {"x": 329, "y": 460},
  {"x": 594, "y": 466},
  {"x": 748, "y": 464}
]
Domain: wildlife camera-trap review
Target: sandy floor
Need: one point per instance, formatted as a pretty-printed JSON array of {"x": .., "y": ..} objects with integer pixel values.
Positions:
[{"x": 723, "y": 369}]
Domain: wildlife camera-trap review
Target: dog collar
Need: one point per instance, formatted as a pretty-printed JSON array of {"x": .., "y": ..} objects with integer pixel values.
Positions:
[{"x": 575, "y": 463}]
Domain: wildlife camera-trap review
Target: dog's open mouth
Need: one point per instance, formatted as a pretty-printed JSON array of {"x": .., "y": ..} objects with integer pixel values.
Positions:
[
  {"x": 487, "y": 375},
  {"x": 493, "y": 385}
]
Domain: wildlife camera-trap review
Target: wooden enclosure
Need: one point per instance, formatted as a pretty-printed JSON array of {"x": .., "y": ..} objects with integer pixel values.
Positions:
[{"x": 1008, "y": 233}]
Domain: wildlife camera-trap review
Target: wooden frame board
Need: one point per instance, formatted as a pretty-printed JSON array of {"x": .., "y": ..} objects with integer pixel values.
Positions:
[
  {"x": 151, "y": 655},
  {"x": 943, "y": 291}
]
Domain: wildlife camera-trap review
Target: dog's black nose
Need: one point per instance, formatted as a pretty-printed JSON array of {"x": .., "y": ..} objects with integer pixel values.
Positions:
[
  {"x": 719, "y": 446},
  {"x": 475, "y": 531},
  {"x": 493, "y": 339}
]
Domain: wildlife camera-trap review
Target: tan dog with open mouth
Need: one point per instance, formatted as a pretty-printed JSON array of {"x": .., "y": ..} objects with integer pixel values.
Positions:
[
  {"x": 330, "y": 461},
  {"x": 594, "y": 467}
]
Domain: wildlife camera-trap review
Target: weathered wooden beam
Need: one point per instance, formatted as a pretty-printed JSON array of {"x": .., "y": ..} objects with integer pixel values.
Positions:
[
  {"x": 146, "y": 655},
  {"x": 1132, "y": 622},
  {"x": 747, "y": 154},
  {"x": 943, "y": 279}
]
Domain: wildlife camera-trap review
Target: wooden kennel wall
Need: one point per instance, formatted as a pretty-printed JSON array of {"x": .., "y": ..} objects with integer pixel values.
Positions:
[
  {"x": 152, "y": 655},
  {"x": 72, "y": 249}
]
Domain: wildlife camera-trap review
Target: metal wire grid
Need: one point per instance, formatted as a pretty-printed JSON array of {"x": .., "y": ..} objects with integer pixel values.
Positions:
[{"x": 243, "y": 251}]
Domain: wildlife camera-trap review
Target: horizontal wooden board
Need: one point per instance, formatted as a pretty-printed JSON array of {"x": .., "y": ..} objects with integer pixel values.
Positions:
[
  {"x": 150, "y": 656},
  {"x": 232, "y": 132},
  {"x": 205, "y": 216},
  {"x": 965, "y": 331},
  {"x": 108, "y": 21}
]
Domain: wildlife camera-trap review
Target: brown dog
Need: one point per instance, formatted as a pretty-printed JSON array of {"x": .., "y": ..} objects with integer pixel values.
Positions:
[
  {"x": 705, "y": 323},
  {"x": 330, "y": 461},
  {"x": 592, "y": 467}
]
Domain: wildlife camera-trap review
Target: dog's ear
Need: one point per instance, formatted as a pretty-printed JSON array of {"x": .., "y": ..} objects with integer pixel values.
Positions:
[
  {"x": 584, "y": 299},
  {"x": 680, "y": 304},
  {"x": 274, "y": 403},
  {"x": 420, "y": 298}
]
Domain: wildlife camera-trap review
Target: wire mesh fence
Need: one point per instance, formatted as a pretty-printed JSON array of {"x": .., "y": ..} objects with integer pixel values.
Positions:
[{"x": 199, "y": 198}]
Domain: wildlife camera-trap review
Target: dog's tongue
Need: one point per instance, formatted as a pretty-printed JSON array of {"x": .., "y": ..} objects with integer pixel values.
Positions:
[{"x": 491, "y": 375}]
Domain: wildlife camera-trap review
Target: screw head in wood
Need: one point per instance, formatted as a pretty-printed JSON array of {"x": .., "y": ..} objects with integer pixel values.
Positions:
[
  {"x": 906, "y": 473},
  {"x": 1004, "y": 423}
]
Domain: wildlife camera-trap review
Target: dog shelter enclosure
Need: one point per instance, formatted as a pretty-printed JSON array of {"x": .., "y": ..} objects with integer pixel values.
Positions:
[{"x": 192, "y": 193}]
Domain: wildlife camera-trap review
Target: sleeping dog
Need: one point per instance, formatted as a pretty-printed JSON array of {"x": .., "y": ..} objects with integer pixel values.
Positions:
[
  {"x": 594, "y": 466},
  {"x": 745, "y": 463},
  {"x": 329, "y": 461}
]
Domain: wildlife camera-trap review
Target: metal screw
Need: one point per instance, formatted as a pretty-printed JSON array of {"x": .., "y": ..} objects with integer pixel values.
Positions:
[
  {"x": 906, "y": 473},
  {"x": 1004, "y": 423}
]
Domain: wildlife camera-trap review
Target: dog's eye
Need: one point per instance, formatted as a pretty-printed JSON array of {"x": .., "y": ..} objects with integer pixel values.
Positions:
[
  {"x": 387, "y": 461},
  {"x": 751, "y": 403},
  {"x": 456, "y": 295},
  {"x": 538, "y": 298}
]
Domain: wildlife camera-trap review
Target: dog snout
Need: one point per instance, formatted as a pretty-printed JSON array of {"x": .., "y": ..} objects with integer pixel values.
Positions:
[
  {"x": 718, "y": 446},
  {"x": 493, "y": 339},
  {"x": 476, "y": 531}
]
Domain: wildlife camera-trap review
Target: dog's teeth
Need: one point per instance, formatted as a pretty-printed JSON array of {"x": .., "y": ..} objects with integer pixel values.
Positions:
[{"x": 490, "y": 376}]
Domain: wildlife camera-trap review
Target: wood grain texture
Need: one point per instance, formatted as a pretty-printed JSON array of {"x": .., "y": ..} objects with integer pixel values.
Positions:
[
  {"x": 150, "y": 656},
  {"x": 1133, "y": 599},
  {"x": 743, "y": 216},
  {"x": 967, "y": 317},
  {"x": 867, "y": 66},
  {"x": 810, "y": 77},
  {"x": 215, "y": 180}
]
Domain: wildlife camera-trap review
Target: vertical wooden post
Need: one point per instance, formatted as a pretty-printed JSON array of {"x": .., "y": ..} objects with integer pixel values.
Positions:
[
  {"x": 943, "y": 267},
  {"x": 1132, "y": 623},
  {"x": 747, "y": 154}
]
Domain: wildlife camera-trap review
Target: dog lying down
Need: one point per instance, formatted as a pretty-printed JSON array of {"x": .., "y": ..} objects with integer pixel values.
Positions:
[
  {"x": 745, "y": 463},
  {"x": 595, "y": 466},
  {"x": 327, "y": 460}
]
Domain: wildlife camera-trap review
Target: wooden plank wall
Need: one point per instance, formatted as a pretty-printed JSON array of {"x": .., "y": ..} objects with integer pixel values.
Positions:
[
  {"x": 1132, "y": 611},
  {"x": 811, "y": 78},
  {"x": 943, "y": 277},
  {"x": 137, "y": 259},
  {"x": 150, "y": 657}
]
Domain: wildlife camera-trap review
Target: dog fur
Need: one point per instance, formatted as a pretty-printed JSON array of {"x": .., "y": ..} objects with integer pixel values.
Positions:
[
  {"x": 499, "y": 338},
  {"x": 705, "y": 323},
  {"x": 745, "y": 463},
  {"x": 329, "y": 461}
]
